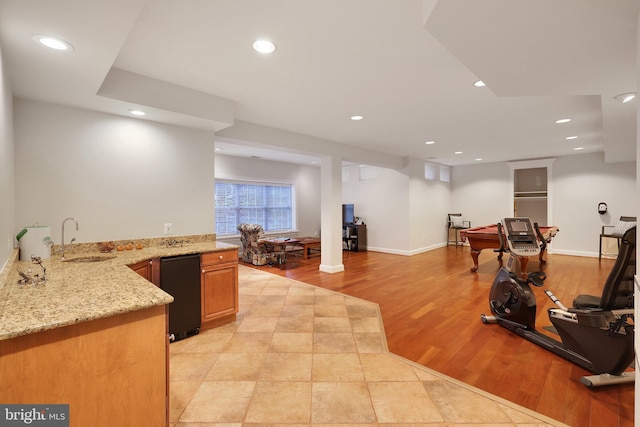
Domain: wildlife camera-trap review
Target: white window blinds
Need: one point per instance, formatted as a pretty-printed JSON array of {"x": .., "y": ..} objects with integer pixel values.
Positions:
[{"x": 269, "y": 205}]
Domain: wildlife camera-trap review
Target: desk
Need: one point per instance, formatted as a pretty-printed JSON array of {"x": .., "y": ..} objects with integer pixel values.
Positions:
[
  {"x": 307, "y": 243},
  {"x": 486, "y": 237}
]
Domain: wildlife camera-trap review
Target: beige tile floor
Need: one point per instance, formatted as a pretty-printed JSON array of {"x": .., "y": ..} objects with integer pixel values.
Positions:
[{"x": 299, "y": 355}]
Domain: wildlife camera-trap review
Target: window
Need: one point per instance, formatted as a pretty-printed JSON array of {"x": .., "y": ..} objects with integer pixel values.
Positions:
[
  {"x": 444, "y": 174},
  {"x": 430, "y": 171},
  {"x": 270, "y": 205}
]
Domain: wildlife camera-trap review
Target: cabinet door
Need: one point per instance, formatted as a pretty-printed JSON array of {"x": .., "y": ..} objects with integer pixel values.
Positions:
[
  {"x": 143, "y": 268},
  {"x": 148, "y": 269},
  {"x": 219, "y": 291}
]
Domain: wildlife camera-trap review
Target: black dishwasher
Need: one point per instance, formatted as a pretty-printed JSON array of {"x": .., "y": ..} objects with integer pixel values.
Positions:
[{"x": 180, "y": 278}]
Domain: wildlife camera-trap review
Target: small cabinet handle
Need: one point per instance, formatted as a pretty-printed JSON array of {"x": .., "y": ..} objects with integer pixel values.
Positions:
[
  {"x": 221, "y": 256},
  {"x": 203, "y": 271}
]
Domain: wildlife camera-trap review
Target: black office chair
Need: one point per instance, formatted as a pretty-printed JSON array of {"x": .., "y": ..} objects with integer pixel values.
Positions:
[
  {"x": 603, "y": 330},
  {"x": 456, "y": 223},
  {"x": 618, "y": 288},
  {"x": 616, "y": 231}
]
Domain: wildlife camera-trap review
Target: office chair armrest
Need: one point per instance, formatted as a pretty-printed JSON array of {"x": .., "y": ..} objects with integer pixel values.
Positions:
[
  {"x": 585, "y": 310},
  {"x": 623, "y": 312}
]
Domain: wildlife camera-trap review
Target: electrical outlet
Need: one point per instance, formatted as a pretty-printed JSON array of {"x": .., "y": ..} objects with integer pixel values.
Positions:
[{"x": 168, "y": 228}]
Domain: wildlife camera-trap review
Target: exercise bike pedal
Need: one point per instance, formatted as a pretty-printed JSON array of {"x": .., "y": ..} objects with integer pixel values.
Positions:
[
  {"x": 536, "y": 278},
  {"x": 488, "y": 319}
]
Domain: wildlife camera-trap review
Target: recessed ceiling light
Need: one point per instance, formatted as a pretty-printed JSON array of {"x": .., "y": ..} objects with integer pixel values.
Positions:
[
  {"x": 479, "y": 83},
  {"x": 625, "y": 97},
  {"x": 52, "y": 42},
  {"x": 478, "y": 159},
  {"x": 264, "y": 46},
  {"x": 559, "y": 121},
  {"x": 430, "y": 142},
  {"x": 356, "y": 118},
  {"x": 578, "y": 148},
  {"x": 137, "y": 113},
  {"x": 572, "y": 137},
  {"x": 458, "y": 152}
]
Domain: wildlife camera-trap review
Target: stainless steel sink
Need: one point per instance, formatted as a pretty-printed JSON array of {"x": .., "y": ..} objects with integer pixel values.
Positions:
[{"x": 90, "y": 258}]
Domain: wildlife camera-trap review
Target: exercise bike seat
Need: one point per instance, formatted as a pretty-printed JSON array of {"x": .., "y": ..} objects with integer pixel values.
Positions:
[{"x": 618, "y": 288}]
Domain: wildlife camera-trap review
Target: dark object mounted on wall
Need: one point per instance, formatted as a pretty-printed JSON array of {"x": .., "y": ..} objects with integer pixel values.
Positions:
[{"x": 602, "y": 208}]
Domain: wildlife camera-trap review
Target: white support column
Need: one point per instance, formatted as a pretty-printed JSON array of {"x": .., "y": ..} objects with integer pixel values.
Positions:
[{"x": 331, "y": 214}]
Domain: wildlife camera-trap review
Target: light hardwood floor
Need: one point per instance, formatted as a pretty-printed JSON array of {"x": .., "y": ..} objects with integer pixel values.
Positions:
[{"x": 431, "y": 305}]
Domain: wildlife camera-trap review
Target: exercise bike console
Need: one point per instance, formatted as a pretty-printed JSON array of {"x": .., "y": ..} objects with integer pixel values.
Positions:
[{"x": 521, "y": 236}]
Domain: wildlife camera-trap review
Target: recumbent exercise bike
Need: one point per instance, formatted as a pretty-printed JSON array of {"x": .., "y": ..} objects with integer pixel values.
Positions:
[{"x": 596, "y": 333}]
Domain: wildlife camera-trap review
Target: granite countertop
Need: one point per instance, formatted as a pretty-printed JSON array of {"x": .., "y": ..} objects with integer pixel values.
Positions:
[{"x": 77, "y": 292}]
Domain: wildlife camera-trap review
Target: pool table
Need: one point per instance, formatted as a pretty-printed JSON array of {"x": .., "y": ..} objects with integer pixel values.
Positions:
[{"x": 486, "y": 237}]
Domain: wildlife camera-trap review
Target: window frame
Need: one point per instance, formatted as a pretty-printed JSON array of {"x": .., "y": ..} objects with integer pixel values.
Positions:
[{"x": 261, "y": 183}]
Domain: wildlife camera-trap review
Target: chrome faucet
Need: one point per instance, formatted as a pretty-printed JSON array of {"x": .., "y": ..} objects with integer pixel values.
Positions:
[{"x": 77, "y": 228}]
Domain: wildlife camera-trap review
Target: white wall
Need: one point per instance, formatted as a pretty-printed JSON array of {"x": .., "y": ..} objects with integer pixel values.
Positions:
[
  {"x": 405, "y": 213},
  {"x": 120, "y": 177},
  {"x": 7, "y": 177},
  {"x": 580, "y": 182},
  {"x": 428, "y": 208},
  {"x": 480, "y": 192},
  {"x": 381, "y": 198},
  {"x": 305, "y": 179},
  {"x": 124, "y": 178}
]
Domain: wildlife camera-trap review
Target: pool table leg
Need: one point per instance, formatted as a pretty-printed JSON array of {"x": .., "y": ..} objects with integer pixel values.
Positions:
[
  {"x": 474, "y": 257},
  {"x": 524, "y": 260},
  {"x": 542, "y": 260}
]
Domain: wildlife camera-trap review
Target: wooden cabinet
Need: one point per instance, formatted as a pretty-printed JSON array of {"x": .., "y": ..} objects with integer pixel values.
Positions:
[
  {"x": 112, "y": 371},
  {"x": 149, "y": 269},
  {"x": 219, "y": 283},
  {"x": 354, "y": 237},
  {"x": 143, "y": 268}
]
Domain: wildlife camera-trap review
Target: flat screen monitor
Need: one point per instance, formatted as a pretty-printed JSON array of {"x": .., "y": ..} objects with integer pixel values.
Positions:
[{"x": 347, "y": 214}]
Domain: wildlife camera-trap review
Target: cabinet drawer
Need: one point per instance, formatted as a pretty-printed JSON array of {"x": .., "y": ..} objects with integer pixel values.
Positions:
[{"x": 219, "y": 257}]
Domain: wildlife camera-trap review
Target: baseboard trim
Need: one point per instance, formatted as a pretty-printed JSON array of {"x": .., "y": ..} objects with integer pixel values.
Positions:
[
  {"x": 331, "y": 269},
  {"x": 407, "y": 253},
  {"x": 576, "y": 253}
]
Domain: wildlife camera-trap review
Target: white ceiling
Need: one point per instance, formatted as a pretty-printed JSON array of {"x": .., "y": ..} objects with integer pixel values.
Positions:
[{"x": 407, "y": 66}]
